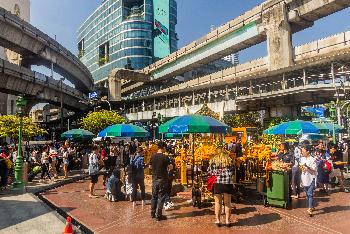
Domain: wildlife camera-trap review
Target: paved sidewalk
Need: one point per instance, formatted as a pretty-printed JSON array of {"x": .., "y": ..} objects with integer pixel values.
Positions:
[
  {"x": 331, "y": 215},
  {"x": 27, "y": 214}
]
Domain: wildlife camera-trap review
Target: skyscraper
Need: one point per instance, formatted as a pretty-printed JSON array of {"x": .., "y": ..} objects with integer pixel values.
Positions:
[{"x": 128, "y": 34}]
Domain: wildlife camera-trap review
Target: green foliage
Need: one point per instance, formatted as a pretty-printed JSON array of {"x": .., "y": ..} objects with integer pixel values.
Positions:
[
  {"x": 250, "y": 119},
  {"x": 270, "y": 122},
  {"x": 9, "y": 127},
  {"x": 99, "y": 120}
]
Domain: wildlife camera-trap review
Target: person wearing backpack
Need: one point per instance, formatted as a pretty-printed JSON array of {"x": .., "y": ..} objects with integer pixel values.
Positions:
[
  {"x": 137, "y": 166},
  {"x": 324, "y": 168}
]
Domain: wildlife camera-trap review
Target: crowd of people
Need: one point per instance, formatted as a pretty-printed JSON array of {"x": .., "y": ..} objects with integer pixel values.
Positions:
[
  {"x": 47, "y": 162},
  {"x": 312, "y": 167},
  {"x": 122, "y": 168}
]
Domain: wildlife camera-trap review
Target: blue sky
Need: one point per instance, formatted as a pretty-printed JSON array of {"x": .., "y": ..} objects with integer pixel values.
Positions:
[{"x": 63, "y": 17}]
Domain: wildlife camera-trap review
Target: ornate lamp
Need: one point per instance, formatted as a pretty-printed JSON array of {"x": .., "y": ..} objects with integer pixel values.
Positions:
[{"x": 20, "y": 103}]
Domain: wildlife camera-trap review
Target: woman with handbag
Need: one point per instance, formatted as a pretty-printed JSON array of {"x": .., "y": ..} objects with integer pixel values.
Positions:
[
  {"x": 220, "y": 173},
  {"x": 93, "y": 170}
]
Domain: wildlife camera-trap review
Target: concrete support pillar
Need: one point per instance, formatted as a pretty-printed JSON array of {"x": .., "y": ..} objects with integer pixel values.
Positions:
[
  {"x": 279, "y": 37},
  {"x": 280, "y": 111},
  {"x": 209, "y": 94},
  {"x": 166, "y": 102},
  {"x": 115, "y": 88}
]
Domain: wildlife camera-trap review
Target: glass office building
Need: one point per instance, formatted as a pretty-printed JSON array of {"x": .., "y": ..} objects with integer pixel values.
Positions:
[{"x": 128, "y": 34}]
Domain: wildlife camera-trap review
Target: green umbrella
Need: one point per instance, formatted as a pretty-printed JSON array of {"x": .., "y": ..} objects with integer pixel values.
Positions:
[
  {"x": 328, "y": 127},
  {"x": 293, "y": 128},
  {"x": 193, "y": 124},
  {"x": 77, "y": 134},
  {"x": 123, "y": 130}
]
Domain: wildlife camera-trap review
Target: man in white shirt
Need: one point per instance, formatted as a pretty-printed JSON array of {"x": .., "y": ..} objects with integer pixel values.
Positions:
[{"x": 308, "y": 176}]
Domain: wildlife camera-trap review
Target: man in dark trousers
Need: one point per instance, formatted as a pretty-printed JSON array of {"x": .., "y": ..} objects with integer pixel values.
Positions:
[{"x": 159, "y": 165}]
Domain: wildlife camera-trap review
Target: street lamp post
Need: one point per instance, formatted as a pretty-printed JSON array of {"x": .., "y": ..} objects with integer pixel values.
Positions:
[
  {"x": 20, "y": 103},
  {"x": 61, "y": 99},
  {"x": 333, "y": 114}
]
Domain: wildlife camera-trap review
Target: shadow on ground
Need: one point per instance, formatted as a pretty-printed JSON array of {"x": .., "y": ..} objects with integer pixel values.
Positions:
[
  {"x": 21, "y": 211},
  {"x": 258, "y": 219}
]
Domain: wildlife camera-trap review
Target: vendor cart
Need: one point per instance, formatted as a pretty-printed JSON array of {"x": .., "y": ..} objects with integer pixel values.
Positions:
[{"x": 278, "y": 190}]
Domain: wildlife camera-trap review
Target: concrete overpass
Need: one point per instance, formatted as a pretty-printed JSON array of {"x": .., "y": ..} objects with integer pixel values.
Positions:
[
  {"x": 37, "y": 48},
  {"x": 39, "y": 88},
  {"x": 321, "y": 70},
  {"x": 273, "y": 20}
]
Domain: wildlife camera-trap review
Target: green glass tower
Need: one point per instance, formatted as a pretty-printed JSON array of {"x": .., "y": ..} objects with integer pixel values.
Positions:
[{"x": 128, "y": 34}]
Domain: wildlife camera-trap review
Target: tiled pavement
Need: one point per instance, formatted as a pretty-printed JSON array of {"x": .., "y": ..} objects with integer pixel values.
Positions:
[{"x": 332, "y": 215}]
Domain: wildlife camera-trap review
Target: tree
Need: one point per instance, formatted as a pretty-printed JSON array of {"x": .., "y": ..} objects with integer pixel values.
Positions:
[
  {"x": 249, "y": 119},
  {"x": 99, "y": 120},
  {"x": 9, "y": 127}
]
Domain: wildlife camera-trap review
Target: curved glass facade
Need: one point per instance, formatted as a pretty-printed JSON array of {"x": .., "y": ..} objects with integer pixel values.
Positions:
[{"x": 120, "y": 34}]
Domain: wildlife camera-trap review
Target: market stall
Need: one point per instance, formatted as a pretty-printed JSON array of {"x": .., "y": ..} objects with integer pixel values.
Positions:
[{"x": 204, "y": 133}]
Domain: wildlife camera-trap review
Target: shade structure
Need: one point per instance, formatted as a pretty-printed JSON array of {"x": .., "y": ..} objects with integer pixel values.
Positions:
[
  {"x": 328, "y": 127},
  {"x": 293, "y": 128},
  {"x": 123, "y": 130},
  {"x": 193, "y": 124},
  {"x": 77, "y": 134}
]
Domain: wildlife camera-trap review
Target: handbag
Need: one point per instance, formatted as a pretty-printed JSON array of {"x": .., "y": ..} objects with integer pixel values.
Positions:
[{"x": 210, "y": 183}]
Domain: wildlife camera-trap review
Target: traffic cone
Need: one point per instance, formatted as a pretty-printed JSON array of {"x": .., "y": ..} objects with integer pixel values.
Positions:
[{"x": 69, "y": 228}]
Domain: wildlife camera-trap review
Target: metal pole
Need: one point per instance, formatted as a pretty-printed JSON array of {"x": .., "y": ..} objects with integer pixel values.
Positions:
[
  {"x": 61, "y": 104},
  {"x": 51, "y": 69},
  {"x": 336, "y": 104},
  {"x": 19, "y": 160},
  {"x": 193, "y": 160}
]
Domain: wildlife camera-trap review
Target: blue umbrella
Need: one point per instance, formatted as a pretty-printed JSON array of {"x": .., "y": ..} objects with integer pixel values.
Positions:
[{"x": 293, "y": 128}]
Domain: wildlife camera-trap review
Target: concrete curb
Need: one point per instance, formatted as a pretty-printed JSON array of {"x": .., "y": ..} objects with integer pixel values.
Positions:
[{"x": 61, "y": 214}]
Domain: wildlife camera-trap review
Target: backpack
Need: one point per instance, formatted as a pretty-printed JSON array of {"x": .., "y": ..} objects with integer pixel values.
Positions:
[
  {"x": 136, "y": 167},
  {"x": 327, "y": 167}
]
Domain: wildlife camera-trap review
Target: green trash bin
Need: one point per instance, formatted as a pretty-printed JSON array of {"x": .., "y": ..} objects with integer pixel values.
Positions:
[{"x": 278, "y": 193}]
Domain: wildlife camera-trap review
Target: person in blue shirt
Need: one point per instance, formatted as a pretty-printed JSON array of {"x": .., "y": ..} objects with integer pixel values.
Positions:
[{"x": 137, "y": 166}]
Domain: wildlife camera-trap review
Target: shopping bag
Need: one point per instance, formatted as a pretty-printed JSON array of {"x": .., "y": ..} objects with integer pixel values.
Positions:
[{"x": 210, "y": 183}]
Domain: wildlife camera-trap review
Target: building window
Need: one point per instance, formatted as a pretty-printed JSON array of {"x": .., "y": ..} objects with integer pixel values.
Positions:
[
  {"x": 81, "y": 48},
  {"x": 103, "y": 54}
]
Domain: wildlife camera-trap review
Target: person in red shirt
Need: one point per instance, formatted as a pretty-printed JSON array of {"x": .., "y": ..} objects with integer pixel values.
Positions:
[{"x": 3, "y": 169}]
